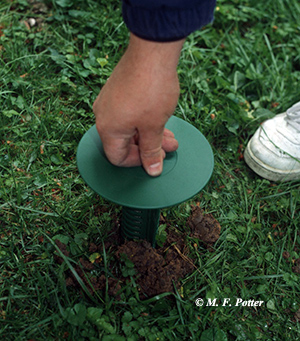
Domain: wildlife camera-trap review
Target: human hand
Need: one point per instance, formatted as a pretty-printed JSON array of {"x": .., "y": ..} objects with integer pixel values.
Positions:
[{"x": 136, "y": 102}]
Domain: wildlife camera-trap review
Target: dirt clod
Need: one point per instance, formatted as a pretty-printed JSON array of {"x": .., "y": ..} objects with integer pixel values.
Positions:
[
  {"x": 285, "y": 255},
  {"x": 204, "y": 227}
]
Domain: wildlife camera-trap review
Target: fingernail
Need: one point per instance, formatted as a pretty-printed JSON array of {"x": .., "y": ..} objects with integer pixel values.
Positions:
[{"x": 155, "y": 169}]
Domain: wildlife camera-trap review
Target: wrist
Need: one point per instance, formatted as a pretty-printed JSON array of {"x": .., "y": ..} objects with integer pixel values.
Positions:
[{"x": 154, "y": 54}]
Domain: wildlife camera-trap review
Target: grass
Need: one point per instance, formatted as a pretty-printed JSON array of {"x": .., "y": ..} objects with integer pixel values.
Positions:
[{"x": 234, "y": 74}]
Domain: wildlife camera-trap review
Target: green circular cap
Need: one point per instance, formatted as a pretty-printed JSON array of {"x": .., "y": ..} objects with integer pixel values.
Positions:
[{"x": 185, "y": 171}]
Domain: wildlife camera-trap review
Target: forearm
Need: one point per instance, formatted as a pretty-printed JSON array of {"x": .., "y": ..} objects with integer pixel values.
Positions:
[{"x": 147, "y": 73}]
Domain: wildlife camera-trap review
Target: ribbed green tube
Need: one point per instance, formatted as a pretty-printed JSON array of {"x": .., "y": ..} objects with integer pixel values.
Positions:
[{"x": 140, "y": 224}]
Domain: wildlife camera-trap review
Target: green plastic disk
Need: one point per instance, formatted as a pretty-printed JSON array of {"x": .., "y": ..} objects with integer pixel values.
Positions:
[{"x": 185, "y": 171}]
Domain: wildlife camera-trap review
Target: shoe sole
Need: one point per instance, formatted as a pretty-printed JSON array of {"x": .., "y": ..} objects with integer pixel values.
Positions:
[{"x": 267, "y": 172}]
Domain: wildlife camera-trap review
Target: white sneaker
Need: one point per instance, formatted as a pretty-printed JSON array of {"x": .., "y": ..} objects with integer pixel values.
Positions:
[{"x": 274, "y": 150}]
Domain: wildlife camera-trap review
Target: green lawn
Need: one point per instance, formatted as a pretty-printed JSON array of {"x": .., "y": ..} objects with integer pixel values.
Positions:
[{"x": 234, "y": 74}]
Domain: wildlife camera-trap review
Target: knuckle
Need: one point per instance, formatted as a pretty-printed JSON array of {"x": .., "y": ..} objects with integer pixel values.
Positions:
[
  {"x": 113, "y": 157},
  {"x": 100, "y": 126}
]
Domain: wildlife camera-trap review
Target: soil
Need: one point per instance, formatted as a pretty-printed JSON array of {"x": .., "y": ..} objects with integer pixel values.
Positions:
[
  {"x": 204, "y": 226},
  {"x": 156, "y": 270}
]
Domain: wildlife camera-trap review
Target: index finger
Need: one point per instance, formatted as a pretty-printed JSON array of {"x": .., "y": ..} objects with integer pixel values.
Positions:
[{"x": 121, "y": 152}]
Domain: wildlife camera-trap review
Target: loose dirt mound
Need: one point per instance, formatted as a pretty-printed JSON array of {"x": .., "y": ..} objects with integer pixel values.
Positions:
[{"x": 155, "y": 270}]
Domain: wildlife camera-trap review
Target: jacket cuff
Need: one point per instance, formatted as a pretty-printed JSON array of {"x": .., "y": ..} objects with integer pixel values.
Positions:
[{"x": 166, "y": 23}]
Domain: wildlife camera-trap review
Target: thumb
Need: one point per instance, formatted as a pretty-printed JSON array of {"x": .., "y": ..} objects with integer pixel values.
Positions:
[{"x": 151, "y": 152}]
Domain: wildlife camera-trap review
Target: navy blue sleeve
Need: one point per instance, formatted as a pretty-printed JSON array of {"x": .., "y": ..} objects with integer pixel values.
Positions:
[{"x": 166, "y": 20}]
